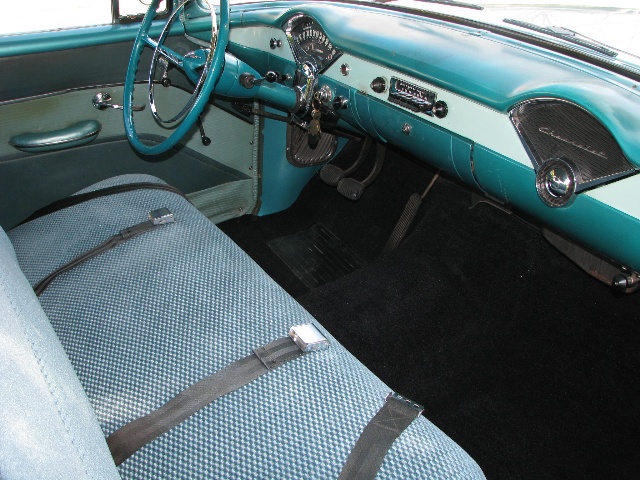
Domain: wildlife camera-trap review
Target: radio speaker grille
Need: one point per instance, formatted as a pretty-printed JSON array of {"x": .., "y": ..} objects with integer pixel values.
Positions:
[{"x": 555, "y": 129}]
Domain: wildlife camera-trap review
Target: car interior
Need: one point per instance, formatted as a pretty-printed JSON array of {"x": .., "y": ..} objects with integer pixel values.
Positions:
[{"x": 317, "y": 240}]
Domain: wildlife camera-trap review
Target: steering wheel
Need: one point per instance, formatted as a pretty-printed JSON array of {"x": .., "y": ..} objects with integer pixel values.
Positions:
[{"x": 203, "y": 68}]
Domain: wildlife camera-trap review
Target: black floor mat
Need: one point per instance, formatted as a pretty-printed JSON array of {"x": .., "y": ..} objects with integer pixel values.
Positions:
[
  {"x": 364, "y": 226},
  {"x": 315, "y": 255}
]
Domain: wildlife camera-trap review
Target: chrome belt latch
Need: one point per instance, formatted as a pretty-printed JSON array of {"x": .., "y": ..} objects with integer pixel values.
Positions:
[
  {"x": 395, "y": 397},
  {"x": 308, "y": 338},
  {"x": 161, "y": 216}
]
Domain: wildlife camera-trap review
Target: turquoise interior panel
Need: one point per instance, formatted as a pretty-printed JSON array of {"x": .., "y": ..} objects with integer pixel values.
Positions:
[
  {"x": 596, "y": 224},
  {"x": 425, "y": 140},
  {"x": 474, "y": 63},
  {"x": 281, "y": 181},
  {"x": 41, "y": 42},
  {"x": 360, "y": 107}
]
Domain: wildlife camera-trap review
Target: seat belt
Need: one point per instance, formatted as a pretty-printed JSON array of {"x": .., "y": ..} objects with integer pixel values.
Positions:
[
  {"x": 157, "y": 217},
  {"x": 130, "y": 438},
  {"x": 385, "y": 427},
  {"x": 103, "y": 192}
]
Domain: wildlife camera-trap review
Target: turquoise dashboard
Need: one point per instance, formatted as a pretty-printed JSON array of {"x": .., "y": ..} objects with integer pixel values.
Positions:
[{"x": 494, "y": 89}]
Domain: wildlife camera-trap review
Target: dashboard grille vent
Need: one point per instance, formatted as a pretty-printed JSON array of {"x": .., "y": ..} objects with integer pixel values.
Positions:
[{"x": 556, "y": 129}]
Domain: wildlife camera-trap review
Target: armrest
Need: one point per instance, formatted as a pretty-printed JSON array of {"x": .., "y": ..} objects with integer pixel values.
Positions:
[{"x": 77, "y": 134}]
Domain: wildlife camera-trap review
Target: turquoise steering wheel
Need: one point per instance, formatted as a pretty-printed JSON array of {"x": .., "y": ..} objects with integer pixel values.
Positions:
[{"x": 204, "y": 69}]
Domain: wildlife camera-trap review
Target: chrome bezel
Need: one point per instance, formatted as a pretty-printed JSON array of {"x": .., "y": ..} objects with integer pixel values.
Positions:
[{"x": 542, "y": 184}]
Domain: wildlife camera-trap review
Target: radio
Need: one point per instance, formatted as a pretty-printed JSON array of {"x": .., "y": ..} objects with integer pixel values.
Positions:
[{"x": 415, "y": 98}]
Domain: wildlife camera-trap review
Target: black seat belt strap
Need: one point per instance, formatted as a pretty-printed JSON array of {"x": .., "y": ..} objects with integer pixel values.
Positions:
[
  {"x": 103, "y": 192},
  {"x": 128, "y": 439},
  {"x": 157, "y": 217},
  {"x": 385, "y": 427}
]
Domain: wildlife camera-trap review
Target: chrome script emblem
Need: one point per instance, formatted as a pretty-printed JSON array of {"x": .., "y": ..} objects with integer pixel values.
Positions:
[{"x": 586, "y": 148}]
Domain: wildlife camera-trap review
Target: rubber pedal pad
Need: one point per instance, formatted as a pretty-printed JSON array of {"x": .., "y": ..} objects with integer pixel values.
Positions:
[
  {"x": 350, "y": 188},
  {"x": 331, "y": 175},
  {"x": 405, "y": 221}
]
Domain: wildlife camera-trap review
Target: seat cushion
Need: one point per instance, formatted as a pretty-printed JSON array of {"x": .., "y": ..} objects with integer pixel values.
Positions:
[{"x": 156, "y": 314}]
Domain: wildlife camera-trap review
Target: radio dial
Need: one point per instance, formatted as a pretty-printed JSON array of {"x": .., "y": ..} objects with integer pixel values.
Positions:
[
  {"x": 379, "y": 85},
  {"x": 441, "y": 109}
]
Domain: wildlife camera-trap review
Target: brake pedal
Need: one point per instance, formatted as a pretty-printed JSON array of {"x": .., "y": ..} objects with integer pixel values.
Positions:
[
  {"x": 352, "y": 188},
  {"x": 332, "y": 174}
]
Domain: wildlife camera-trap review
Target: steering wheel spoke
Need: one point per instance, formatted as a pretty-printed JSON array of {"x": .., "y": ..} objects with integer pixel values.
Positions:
[
  {"x": 149, "y": 41},
  {"x": 173, "y": 57}
]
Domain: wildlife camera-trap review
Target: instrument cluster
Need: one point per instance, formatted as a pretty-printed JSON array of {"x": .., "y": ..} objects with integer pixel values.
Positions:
[{"x": 310, "y": 44}]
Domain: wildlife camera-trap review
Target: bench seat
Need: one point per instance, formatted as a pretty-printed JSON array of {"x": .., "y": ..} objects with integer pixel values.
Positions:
[{"x": 146, "y": 319}]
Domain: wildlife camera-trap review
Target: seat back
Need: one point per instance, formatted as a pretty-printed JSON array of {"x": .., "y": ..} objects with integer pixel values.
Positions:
[{"x": 48, "y": 428}]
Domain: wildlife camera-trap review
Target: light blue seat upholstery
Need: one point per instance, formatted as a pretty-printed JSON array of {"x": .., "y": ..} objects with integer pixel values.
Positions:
[
  {"x": 47, "y": 427},
  {"x": 156, "y": 314}
]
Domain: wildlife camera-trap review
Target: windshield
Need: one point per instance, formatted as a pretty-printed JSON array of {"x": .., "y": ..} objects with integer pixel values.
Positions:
[{"x": 615, "y": 23}]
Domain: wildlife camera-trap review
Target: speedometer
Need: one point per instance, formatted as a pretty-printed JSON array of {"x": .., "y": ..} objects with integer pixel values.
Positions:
[{"x": 309, "y": 42}]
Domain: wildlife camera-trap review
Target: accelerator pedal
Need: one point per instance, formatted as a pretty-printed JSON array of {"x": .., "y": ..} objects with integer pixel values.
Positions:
[
  {"x": 332, "y": 174},
  {"x": 352, "y": 188},
  {"x": 407, "y": 217}
]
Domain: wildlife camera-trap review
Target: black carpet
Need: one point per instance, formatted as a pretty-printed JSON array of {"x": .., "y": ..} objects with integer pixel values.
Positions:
[{"x": 525, "y": 361}]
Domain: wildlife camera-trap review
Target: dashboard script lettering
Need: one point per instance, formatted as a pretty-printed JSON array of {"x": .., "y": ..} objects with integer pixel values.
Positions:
[{"x": 586, "y": 148}]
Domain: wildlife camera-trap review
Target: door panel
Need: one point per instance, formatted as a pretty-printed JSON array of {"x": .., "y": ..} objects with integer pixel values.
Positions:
[{"x": 52, "y": 90}]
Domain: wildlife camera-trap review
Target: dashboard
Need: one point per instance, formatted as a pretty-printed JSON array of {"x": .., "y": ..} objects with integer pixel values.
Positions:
[{"x": 550, "y": 135}]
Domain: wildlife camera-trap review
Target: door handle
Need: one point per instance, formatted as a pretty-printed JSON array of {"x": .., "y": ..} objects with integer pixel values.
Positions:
[{"x": 102, "y": 100}]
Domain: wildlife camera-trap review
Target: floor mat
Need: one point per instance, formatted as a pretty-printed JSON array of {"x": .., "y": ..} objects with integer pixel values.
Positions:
[{"x": 315, "y": 255}]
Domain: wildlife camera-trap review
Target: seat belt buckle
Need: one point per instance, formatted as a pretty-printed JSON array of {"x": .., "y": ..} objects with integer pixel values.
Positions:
[
  {"x": 161, "y": 216},
  {"x": 395, "y": 397},
  {"x": 308, "y": 338}
]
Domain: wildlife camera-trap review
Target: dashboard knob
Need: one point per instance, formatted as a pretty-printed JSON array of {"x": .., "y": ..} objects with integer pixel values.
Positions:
[
  {"x": 379, "y": 85},
  {"x": 556, "y": 182},
  {"x": 440, "y": 109},
  {"x": 339, "y": 102},
  {"x": 275, "y": 43},
  {"x": 271, "y": 76}
]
